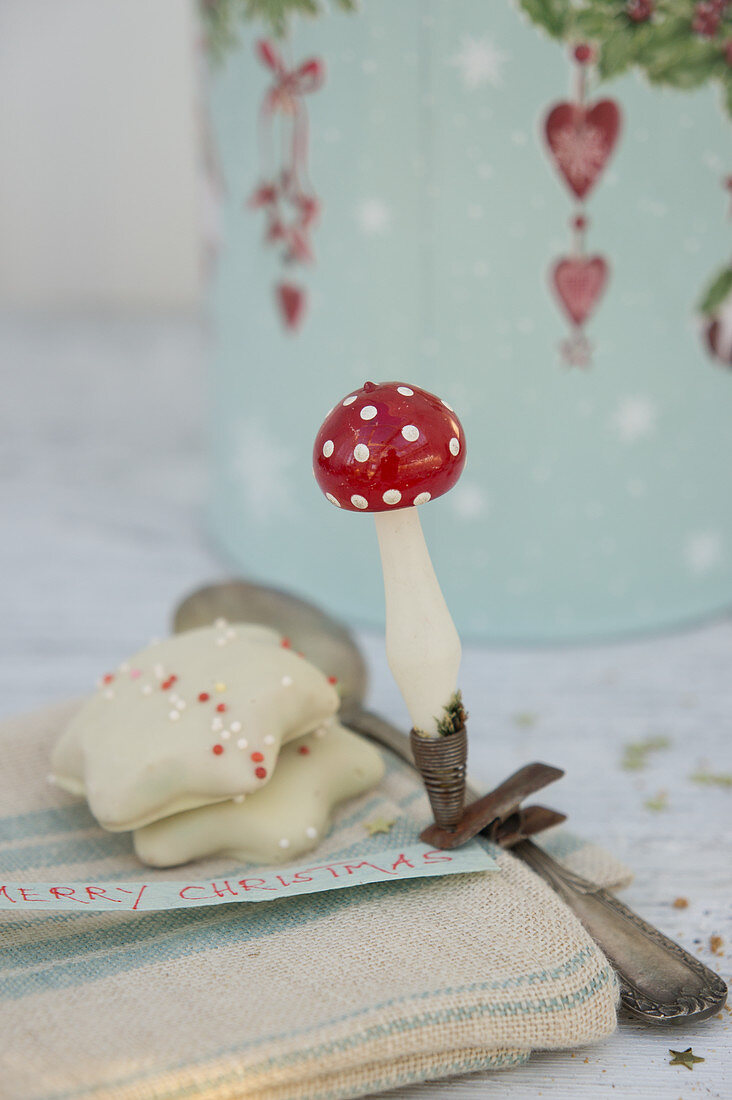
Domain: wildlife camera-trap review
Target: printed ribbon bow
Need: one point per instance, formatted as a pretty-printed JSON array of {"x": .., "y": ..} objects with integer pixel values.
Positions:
[{"x": 290, "y": 83}]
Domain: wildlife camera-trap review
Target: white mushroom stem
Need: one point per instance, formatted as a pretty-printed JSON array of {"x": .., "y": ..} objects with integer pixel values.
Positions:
[{"x": 422, "y": 644}]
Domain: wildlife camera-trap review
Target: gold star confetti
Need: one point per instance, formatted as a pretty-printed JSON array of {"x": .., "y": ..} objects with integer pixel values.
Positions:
[
  {"x": 712, "y": 779},
  {"x": 378, "y": 825},
  {"x": 658, "y": 803},
  {"x": 525, "y": 719},
  {"x": 684, "y": 1058},
  {"x": 636, "y": 753}
]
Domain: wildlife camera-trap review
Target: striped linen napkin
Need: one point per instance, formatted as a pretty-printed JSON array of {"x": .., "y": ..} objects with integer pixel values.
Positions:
[{"x": 320, "y": 997}]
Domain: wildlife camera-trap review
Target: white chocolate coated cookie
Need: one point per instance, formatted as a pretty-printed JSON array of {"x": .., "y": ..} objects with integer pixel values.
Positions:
[
  {"x": 194, "y": 719},
  {"x": 282, "y": 820}
]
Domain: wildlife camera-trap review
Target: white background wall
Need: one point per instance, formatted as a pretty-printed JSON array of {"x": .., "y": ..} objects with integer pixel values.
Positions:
[{"x": 99, "y": 196}]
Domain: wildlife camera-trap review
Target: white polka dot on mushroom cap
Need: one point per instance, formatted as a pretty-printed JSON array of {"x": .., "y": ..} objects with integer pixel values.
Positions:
[
  {"x": 332, "y": 499},
  {"x": 359, "y": 501},
  {"x": 454, "y": 446},
  {"x": 422, "y": 498},
  {"x": 361, "y": 452},
  {"x": 351, "y": 399},
  {"x": 328, "y": 447},
  {"x": 392, "y": 496},
  {"x": 405, "y": 391},
  {"x": 410, "y": 433},
  {"x": 368, "y": 412}
]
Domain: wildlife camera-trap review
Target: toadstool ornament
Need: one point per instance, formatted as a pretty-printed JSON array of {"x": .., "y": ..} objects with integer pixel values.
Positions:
[{"x": 388, "y": 449}]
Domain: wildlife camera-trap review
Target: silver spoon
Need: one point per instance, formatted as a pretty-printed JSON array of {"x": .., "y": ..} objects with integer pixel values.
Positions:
[{"x": 659, "y": 981}]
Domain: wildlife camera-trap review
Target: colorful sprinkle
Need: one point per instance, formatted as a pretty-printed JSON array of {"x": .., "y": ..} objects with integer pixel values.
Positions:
[
  {"x": 221, "y": 707},
  {"x": 204, "y": 697},
  {"x": 238, "y": 797},
  {"x": 109, "y": 694},
  {"x": 303, "y": 750},
  {"x": 287, "y": 681},
  {"x": 235, "y": 727},
  {"x": 217, "y": 724},
  {"x": 146, "y": 689},
  {"x": 225, "y": 735},
  {"x": 242, "y": 743},
  {"x": 135, "y": 673},
  {"x": 332, "y": 679},
  {"x": 217, "y": 750},
  {"x": 286, "y": 643},
  {"x": 257, "y": 757},
  {"x": 220, "y": 686},
  {"x": 174, "y": 715},
  {"x": 284, "y": 843},
  {"x": 108, "y": 678},
  {"x": 260, "y": 772},
  {"x": 311, "y": 832},
  {"x": 269, "y": 739}
]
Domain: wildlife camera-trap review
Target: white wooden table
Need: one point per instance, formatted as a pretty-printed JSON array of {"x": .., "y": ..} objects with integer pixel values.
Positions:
[{"x": 101, "y": 488}]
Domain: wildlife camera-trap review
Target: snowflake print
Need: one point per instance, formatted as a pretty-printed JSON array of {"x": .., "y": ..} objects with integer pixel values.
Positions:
[
  {"x": 261, "y": 469},
  {"x": 581, "y": 152},
  {"x": 703, "y": 551},
  {"x": 374, "y": 217},
  {"x": 480, "y": 62},
  {"x": 635, "y": 418}
]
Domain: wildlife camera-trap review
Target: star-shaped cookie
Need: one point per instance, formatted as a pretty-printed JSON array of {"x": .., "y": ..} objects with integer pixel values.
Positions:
[
  {"x": 191, "y": 720},
  {"x": 281, "y": 821}
]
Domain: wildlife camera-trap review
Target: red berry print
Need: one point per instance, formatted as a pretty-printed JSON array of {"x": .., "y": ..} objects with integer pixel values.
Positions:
[
  {"x": 204, "y": 697},
  {"x": 261, "y": 773},
  {"x": 286, "y": 643},
  {"x": 304, "y": 750},
  {"x": 167, "y": 684},
  {"x": 221, "y": 707},
  {"x": 108, "y": 678},
  {"x": 217, "y": 750},
  {"x": 707, "y": 18},
  {"x": 639, "y": 11},
  {"x": 257, "y": 757},
  {"x": 583, "y": 53}
]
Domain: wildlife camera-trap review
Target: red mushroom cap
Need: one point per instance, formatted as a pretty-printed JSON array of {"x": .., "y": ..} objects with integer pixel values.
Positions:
[{"x": 388, "y": 446}]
